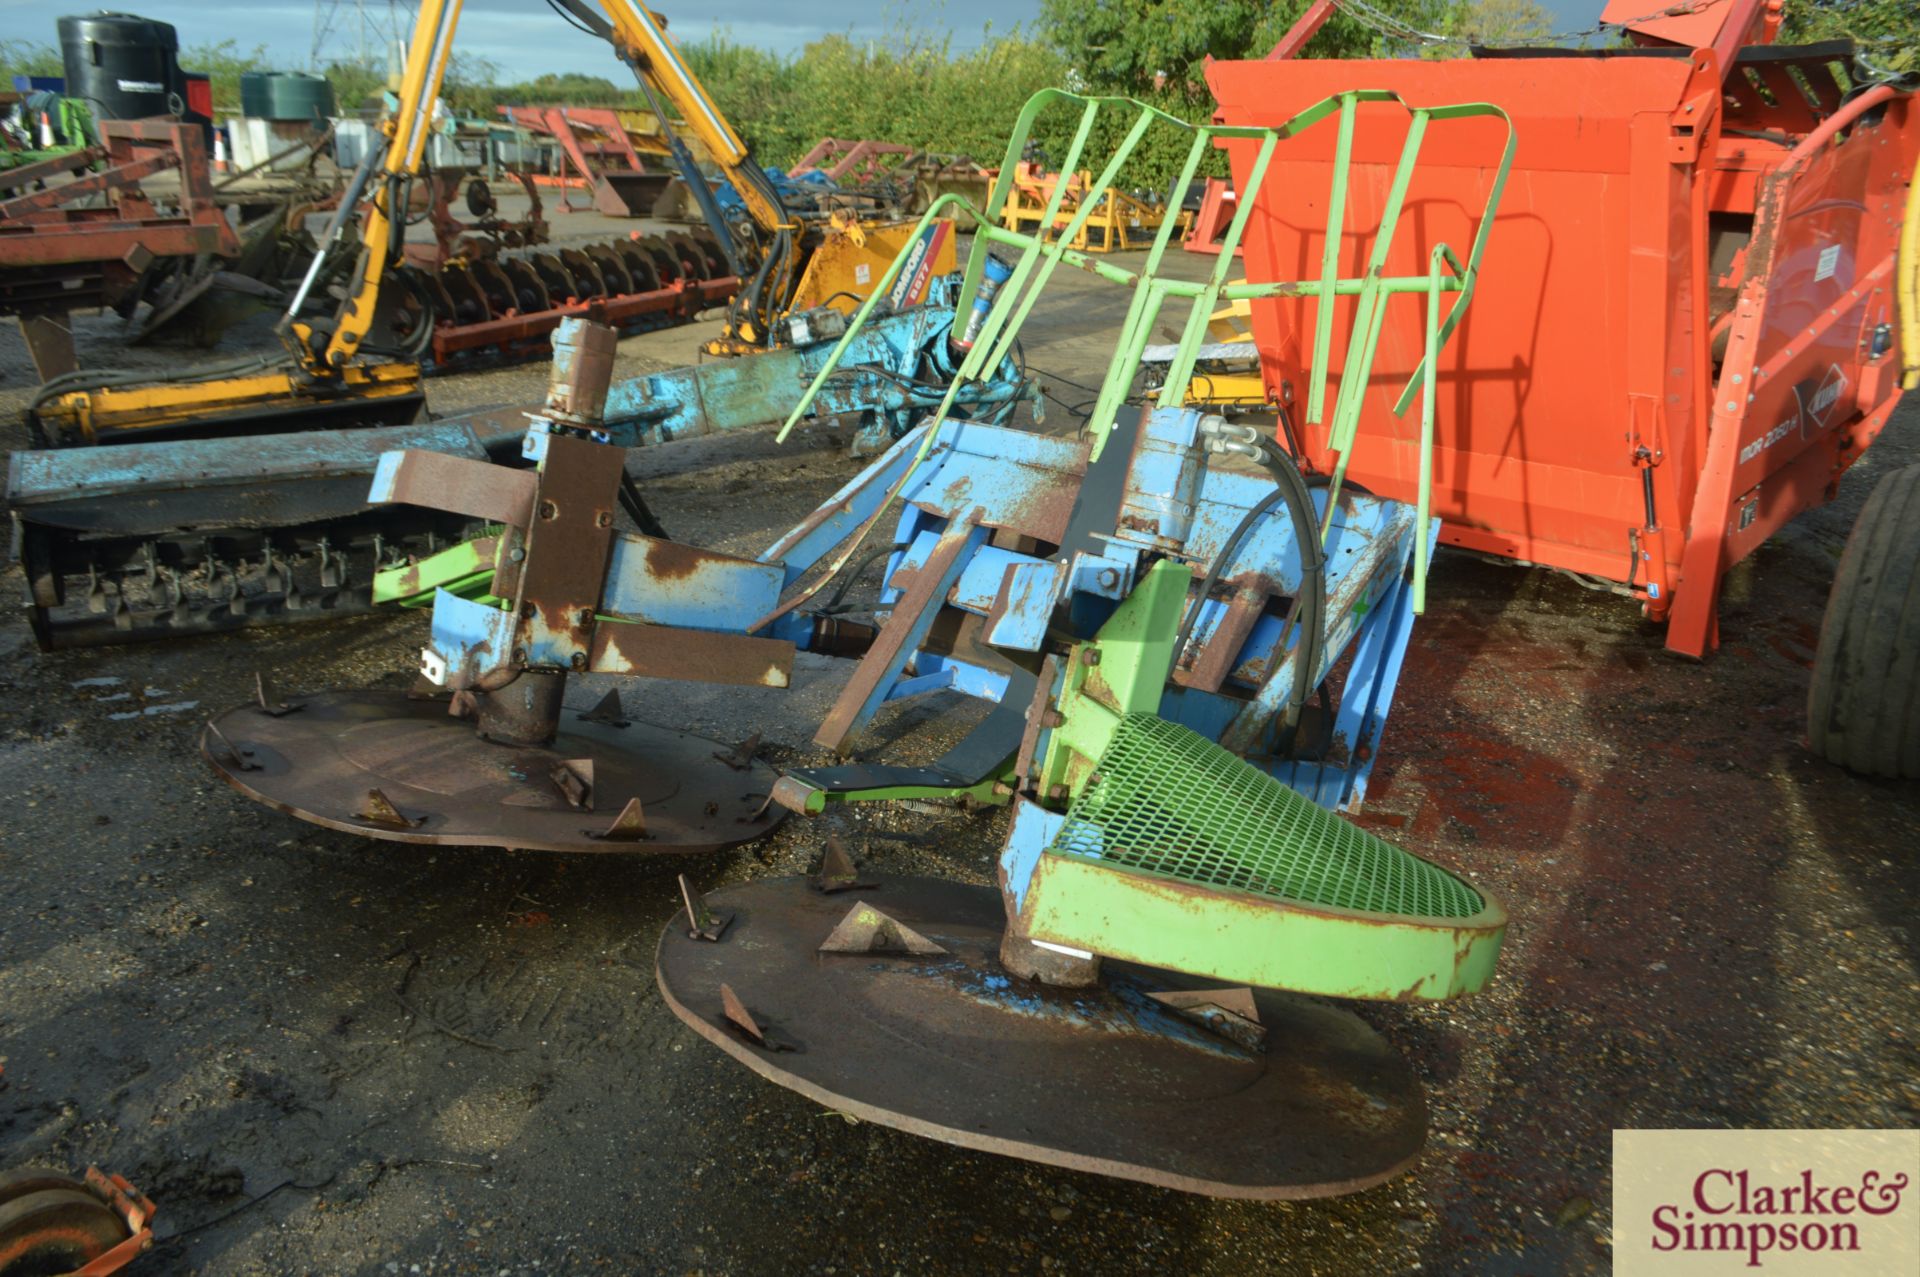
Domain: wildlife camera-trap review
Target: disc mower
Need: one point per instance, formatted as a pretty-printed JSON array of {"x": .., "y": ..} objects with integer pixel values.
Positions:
[{"x": 1189, "y": 647}]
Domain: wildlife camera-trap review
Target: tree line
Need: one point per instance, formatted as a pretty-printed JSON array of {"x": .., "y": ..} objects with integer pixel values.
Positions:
[{"x": 927, "y": 92}]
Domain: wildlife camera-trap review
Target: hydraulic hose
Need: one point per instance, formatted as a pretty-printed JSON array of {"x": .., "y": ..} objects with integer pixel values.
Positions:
[
  {"x": 1227, "y": 551},
  {"x": 1309, "y": 607},
  {"x": 747, "y": 301},
  {"x": 107, "y": 378}
]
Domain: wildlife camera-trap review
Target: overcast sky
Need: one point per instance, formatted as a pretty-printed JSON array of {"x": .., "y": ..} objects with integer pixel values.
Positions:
[
  {"x": 524, "y": 36},
  {"x": 526, "y": 39}
]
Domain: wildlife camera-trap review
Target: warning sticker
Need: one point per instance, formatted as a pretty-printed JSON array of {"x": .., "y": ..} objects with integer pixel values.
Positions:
[{"x": 1829, "y": 262}]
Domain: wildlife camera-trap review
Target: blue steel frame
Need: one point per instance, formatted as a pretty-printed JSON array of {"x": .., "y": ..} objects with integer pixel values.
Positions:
[{"x": 976, "y": 478}]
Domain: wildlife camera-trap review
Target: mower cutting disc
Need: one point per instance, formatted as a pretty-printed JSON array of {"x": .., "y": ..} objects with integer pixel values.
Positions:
[
  {"x": 438, "y": 782},
  {"x": 1104, "y": 1079},
  {"x": 56, "y": 1230}
]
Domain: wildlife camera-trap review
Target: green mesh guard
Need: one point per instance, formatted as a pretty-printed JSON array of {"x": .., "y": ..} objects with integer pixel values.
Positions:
[{"x": 1168, "y": 801}]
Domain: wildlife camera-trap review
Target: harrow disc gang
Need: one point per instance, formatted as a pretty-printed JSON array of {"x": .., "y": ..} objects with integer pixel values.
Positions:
[{"x": 504, "y": 306}]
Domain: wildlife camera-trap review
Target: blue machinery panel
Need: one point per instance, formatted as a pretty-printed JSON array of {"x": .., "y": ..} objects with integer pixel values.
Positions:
[
  {"x": 881, "y": 379},
  {"x": 984, "y": 509}
]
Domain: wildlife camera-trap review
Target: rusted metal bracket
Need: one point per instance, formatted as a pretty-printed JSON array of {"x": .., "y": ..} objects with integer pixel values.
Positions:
[
  {"x": 268, "y": 702},
  {"x": 241, "y": 759},
  {"x": 740, "y": 757},
  {"x": 569, "y": 543},
  {"x": 629, "y": 826},
  {"x": 740, "y": 1018},
  {"x": 1036, "y": 720},
  {"x": 901, "y": 636},
  {"x": 867, "y": 930},
  {"x": 380, "y": 810},
  {"x": 574, "y": 779},
  {"x": 1231, "y": 1013},
  {"x": 702, "y": 923},
  {"x": 837, "y": 871},
  {"x": 695, "y": 656},
  {"x": 459, "y": 485}
]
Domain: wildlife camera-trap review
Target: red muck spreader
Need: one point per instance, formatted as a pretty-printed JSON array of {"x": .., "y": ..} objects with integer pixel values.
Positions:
[{"x": 1692, "y": 331}]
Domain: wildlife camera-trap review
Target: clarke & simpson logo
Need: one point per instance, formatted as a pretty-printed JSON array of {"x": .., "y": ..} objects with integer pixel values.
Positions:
[
  {"x": 1781, "y": 1202},
  {"x": 1727, "y": 1211}
]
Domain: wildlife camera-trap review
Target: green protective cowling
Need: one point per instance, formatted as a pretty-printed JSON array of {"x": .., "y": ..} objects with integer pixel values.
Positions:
[{"x": 1180, "y": 855}]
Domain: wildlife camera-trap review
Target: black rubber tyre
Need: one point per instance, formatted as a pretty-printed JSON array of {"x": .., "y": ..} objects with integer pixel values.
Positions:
[
  {"x": 34, "y": 1180},
  {"x": 1863, "y": 711},
  {"x": 56, "y": 1231}
]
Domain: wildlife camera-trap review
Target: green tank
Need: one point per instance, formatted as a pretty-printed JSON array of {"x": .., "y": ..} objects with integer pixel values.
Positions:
[{"x": 285, "y": 96}]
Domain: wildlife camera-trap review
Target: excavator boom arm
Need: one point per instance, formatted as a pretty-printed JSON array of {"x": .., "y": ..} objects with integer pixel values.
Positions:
[
  {"x": 407, "y": 130},
  {"x": 640, "y": 38}
]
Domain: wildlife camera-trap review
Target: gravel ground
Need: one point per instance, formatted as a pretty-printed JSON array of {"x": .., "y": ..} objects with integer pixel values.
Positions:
[{"x": 326, "y": 1055}]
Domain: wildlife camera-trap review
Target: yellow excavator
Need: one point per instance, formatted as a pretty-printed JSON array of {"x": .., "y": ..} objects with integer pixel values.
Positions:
[{"x": 360, "y": 367}]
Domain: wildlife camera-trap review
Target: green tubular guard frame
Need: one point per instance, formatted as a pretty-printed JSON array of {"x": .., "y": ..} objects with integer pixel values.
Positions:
[
  {"x": 1177, "y": 854},
  {"x": 1172, "y": 851},
  {"x": 465, "y": 570},
  {"x": 1040, "y": 255}
]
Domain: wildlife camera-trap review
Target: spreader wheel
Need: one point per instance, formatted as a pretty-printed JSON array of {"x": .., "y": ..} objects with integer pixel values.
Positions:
[
  {"x": 1863, "y": 711},
  {"x": 17, "y": 1184},
  {"x": 56, "y": 1229}
]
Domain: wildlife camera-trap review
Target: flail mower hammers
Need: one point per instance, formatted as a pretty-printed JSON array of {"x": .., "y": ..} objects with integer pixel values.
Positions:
[{"x": 1191, "y": 650}]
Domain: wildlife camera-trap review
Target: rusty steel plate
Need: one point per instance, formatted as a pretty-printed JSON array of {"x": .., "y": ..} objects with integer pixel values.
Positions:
[
  {"x": 320, "y": 762},
  {"x": 1104, "y": 1080}
]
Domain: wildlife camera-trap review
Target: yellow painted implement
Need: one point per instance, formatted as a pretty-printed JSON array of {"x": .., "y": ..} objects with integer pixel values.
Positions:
[{"x": 1120, "y": 222}]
